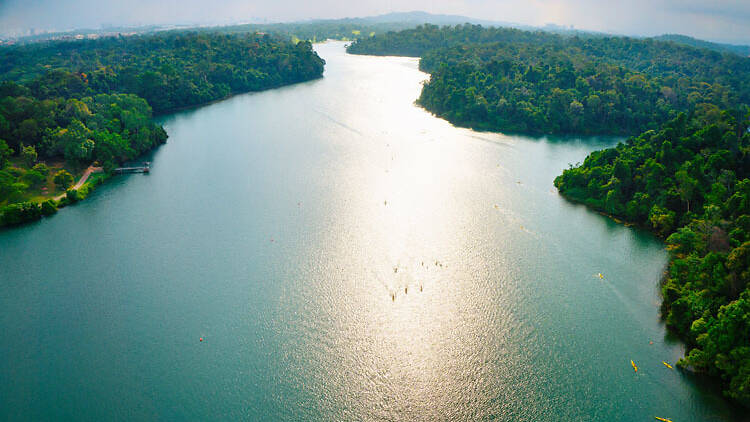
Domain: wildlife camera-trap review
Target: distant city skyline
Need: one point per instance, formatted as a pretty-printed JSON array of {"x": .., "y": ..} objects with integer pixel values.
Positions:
[{"x": 720, "y": 20}]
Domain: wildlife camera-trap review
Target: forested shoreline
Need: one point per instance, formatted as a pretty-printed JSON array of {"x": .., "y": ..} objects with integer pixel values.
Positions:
[
  {"x": 684, "y": 172},
  {"x": 539, "y": 83},
  {"x": 170, "y": 70},
  {"x": 686, "y": 177},
  {"x": 688, "y": 182},
  {"x": 65, "y": 105}
]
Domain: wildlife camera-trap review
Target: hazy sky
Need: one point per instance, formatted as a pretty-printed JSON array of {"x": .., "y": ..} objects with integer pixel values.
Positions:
[{"x": 720, "y": 20}]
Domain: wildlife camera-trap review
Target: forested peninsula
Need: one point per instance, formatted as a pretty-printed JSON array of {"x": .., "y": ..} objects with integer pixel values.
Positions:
[
  {"x": 67, "y": 105},
  {"x": 685, "y": 175},
  {"x": 511, "y": 80}
]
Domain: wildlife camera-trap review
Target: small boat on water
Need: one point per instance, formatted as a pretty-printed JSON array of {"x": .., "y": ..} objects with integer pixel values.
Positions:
[
  {"x": 662, "y": 419},
  {"x": 635, "y": 368},
  {"x": 667, "y": 365}
]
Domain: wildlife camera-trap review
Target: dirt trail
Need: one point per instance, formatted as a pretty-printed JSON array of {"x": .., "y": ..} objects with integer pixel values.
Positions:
[{"x": 81, "y": 181}]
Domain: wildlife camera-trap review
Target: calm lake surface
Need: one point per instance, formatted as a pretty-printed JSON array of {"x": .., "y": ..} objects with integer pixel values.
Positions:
[{"x": 345, "y": 256}]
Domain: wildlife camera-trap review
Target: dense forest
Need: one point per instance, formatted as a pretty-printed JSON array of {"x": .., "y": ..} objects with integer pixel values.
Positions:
[
  {"x": 541, "y": 83},
  {"x": 170, "y": 70},
  {"x": 689, "y": 181},
  {"x": 66, "y": 105},
  {"x": 319, "y": 30},
  {"x": 742, "y": 50},
  {"x": 686, "y": 176}
]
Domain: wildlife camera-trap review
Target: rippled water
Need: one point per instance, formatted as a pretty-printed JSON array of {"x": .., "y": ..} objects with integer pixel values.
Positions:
[{"x": 345, "y": 256}]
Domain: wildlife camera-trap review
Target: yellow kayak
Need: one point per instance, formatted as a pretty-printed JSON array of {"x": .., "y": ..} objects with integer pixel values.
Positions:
[
  {"x": 667, "y": 365},
  {"x": 663, "y": 419},
  {"x": 635, "y": 368}
]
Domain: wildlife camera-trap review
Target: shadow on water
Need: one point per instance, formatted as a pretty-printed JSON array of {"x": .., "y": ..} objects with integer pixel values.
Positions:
[
  {"x": 707, "y": 387},
  {"x": 644, "y": 237},
  {"x": 185, "y": 113}
]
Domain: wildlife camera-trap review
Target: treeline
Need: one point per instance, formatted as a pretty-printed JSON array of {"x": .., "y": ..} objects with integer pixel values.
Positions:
[
  {"x": 319, "y": 30},
  {"x": 541, "y": 83},
  {"x": 417, "y": 41},
  {"x": 689, "y": 182},
  {"x": 66, "y": 133},
  {"x": 540, "y": 89},
  {"x": 742, "y": 50},
  {"x": 108, "y": 128},
  {"x": 66, "y": 105},
  {"x": 171, "y": 70}
]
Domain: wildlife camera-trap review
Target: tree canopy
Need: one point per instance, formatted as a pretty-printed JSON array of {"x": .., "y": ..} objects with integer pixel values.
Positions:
[
  {"x": 689, "y": 182},
  {"x": 170, "y": 70},
  {"x": 78, "y": 102},
  {"x": 541, "y": 83}
]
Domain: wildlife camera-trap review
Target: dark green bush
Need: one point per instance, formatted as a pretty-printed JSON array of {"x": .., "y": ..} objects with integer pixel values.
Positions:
[
  {"x": 19, "y": 213},
  {"x": 49, "y": 207}
]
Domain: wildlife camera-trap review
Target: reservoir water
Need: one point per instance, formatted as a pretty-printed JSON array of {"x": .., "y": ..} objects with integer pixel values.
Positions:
[{"x": 345, "y": 256}]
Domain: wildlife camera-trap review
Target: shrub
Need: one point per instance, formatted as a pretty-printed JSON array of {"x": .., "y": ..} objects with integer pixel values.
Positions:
[
  {"x": 34, "y": 178},
  {"x": 63, "y": 179},
  {"x": 63, "y": 202},
  {"x": 49, "y": 207},
  {"x": 72, "y": 195},
  {"x": 5, "y": 152},
  {"x": 42, "y": 169},
  {"x": 29, "y": 155},
  {"x": 19, "y": 213}
]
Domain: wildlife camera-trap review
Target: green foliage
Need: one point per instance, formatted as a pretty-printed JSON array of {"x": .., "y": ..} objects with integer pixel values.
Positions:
[
  {"x": 87, "y": 101},
  {"x": 29, "y": 155},
  {"x": 5, "y": 153},
  {"x": 742, "y": 50},
  {"x": 537, "y": 82},
  {"x": 686, "y": 177},
  {"x": 689, "y": 181},
  {"x": 48, "y": 207},
  {"x": 337, "y": 29},
  {"x": 42, "y": 169},
  {"x": 33, "y": 178},
  {"x": 169, "y": 70},
  {"x": 73, "y": 195},
  {"x": 19, "y": 213},
  {"x": 63, "y": 179}
]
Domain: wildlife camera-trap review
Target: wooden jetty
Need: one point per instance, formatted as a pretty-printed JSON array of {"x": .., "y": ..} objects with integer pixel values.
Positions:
[{"x": 146, "y": 168}]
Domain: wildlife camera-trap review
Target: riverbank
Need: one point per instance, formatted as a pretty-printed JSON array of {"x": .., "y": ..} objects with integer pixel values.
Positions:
[
  {"x": 489, "y": 86},
  {"x": 515, "y": 325},
  {"x": 45, "y": 199},
  {"x": 693, "y": 363},
  {"x": 23, "y": 212},
  {"x": 229, "y": 96},
  {"x": 96, "y": 108},
  {"x": 699, "y": 205},
  {"x": 81, "y": 181}
]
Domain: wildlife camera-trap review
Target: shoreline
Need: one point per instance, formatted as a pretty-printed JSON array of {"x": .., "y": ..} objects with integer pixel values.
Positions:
[
  {"x": 230, "y": 95},
  {"x": 83, "y": 187}
]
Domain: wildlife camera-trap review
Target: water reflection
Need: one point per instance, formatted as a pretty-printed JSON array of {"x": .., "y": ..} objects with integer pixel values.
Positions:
[{"x": 289, "y": 229}]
